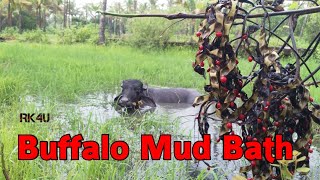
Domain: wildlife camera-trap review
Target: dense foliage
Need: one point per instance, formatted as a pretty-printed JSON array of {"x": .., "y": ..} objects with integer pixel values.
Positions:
[{"x": 279, "y": 102}]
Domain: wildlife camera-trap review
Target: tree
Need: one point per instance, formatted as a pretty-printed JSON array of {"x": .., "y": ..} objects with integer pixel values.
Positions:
[
  {"x": 90, "y": 10},
  {"x": 38, "y": 5},
  {"x": 102, "y": 37},
  {"x": 153, "y": 4},
  {"x": 129, "y": 4},
  {"x": 65, "y": 12},
  {"x": 15, "y": 5},
  {"x": 55, "y": 7},
  {"x": 9, "y": 4},
  {"x": 170, "y": 3},
  {"x": 20, "y": 5},
  {"x": 46, "y": 6},
  {"x": 69, "y": 12},
  {"x": 135, "y": 5},
  {"x": 1, "y": 6}
]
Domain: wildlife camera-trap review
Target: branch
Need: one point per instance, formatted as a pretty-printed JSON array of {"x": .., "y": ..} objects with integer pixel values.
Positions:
[
  {"x": 290, "y": 12},
  {"x": 311, "y": 75},
  {"x": 167, "y": 16},
  {"x": 292, "y": 26},
  {"x": 202, "y": 16},
  {"x": 311, "y": 83}
]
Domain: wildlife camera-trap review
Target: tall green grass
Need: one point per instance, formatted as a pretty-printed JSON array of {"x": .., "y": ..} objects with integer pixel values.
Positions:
[{"x": 63, "y": 72}]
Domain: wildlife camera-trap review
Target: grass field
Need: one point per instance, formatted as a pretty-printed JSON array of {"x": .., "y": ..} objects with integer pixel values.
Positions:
[{"x": 58, "y": 74}]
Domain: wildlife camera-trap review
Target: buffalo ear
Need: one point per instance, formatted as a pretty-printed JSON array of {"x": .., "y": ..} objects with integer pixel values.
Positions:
[
  {"x": 116, "y": 98},
  {"x": 145, "y": 87},
  {"x": 147, "y": 101}
]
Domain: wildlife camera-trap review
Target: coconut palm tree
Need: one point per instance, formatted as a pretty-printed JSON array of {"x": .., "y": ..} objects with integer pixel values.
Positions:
[
  {"x": 19, "y": 6},
  {"x": 153, "y": 4},
  {"x": 9, "y": 4},
  {"x": 102, "y": 37},
  {"x": 129, "y": 5},
  {"x": 1, "y": 7},
  {"x": 38, "y": 7},
  {"x": 43, "y": 7},
  {"x": 46, "y": 7},
  {"x": 54, "y": 7}
]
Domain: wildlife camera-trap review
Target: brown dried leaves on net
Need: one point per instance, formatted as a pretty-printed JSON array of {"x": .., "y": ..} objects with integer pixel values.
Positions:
[{"x": 279, "y": 103}]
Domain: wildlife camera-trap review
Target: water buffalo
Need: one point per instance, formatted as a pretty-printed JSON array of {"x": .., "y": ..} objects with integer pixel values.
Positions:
[{"x": 135, "y": 94}]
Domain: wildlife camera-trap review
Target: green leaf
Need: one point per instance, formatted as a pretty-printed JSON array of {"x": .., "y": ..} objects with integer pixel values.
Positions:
[
  {"x": 286, "y": 173},
  {"x": 294, "y": 5},
  {"x": 303, "y": 170},
  {"x": 301, "y": 159}
]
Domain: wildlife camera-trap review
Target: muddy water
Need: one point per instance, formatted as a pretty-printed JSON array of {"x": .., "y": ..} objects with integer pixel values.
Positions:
[{"x": 99, "y": 107}]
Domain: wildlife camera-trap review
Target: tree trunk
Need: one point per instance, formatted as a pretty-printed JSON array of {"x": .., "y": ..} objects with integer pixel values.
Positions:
[
  {"x": 39, "y": 16},
  {"x": 55, "y": 17},
  {"x": 304, "y": 22},
  {"x": 0, "y": 21},
  {"x": 65, "y": 13},
  {"x": 69, "y": 12},
  {"x": 192, "y": 27},
  {"x": 303, "y": 25},
  {"x": 114, "y": 26},
  {"x": 170, "y": 3},
  {"x": 9, "y": 14},
  {"x": 110, "y": 25},
  {"x": 86, "y": 15},
  {"x": 120, "y": 27},
  {"x": 20, "y": 21},
  {"x": 44, "y": 19},
  {"x": 102, "y": 37},
  {"x": 135, "y": 5}
]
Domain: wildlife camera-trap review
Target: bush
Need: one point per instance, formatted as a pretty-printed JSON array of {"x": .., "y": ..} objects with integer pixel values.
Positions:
[
  {"x": 148, "y": 32},
  {"x": 78, "y": 35},
  {"x": 36, "y": 36},
  {"x": 94, "y": 39},
  {"x": 82, "y": 35},
  {"x": 66, "y": 36},
  {"x": 10, "y": 33}
]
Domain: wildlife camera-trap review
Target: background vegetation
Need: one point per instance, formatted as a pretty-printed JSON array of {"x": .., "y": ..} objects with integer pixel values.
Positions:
[{"x": 65, "y": 22}]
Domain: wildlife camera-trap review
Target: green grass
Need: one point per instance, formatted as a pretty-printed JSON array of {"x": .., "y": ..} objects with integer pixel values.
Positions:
[
  {"x": 64, "y": 72},
  {"x": 58, "y": 74}
]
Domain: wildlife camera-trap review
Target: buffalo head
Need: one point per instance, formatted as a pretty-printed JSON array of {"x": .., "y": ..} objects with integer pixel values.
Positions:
[{"x": 133, "y": 95}]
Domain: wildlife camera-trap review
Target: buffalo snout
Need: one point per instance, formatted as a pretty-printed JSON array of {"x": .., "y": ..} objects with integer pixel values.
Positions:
[{"x": 124, "y": 102}]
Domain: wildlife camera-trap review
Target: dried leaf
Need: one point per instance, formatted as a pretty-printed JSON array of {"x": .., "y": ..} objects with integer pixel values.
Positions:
[
  {"x": 245, "y": 169},
  {"x": 275, "y": 165},
  {"x": 238, "y": 177},
  {"x": 200, "y": 100}
]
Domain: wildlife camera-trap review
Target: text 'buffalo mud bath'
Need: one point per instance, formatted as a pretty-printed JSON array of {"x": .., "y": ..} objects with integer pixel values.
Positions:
[{"x": 119, "y": 150}]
